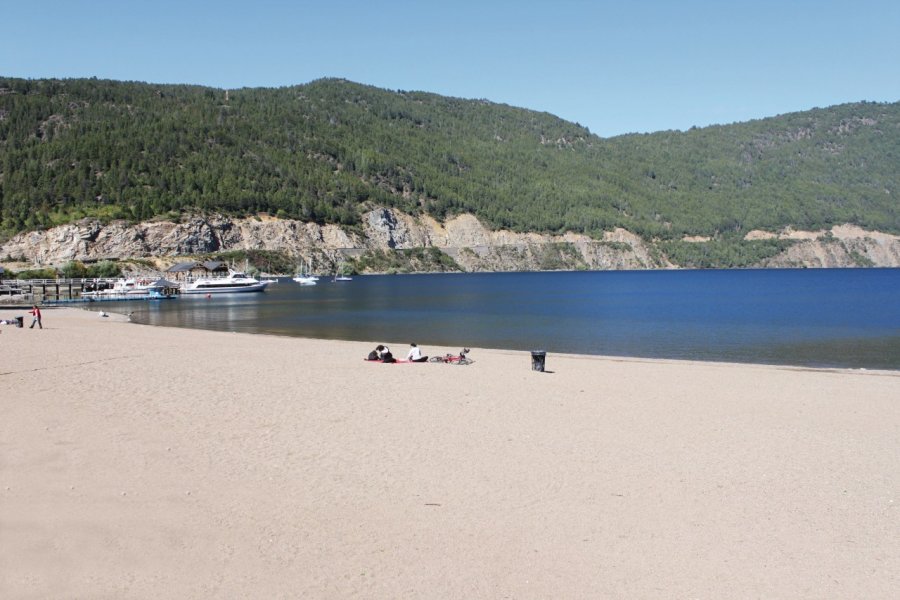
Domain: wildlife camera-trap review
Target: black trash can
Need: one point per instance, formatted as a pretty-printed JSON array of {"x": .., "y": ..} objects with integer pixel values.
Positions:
[
  {"x": 538, "y": 357},
  {"x": 20, "y": 321}
]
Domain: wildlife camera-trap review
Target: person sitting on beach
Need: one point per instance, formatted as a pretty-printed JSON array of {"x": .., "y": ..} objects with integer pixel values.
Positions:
[
  {"x": 384, "y": 353},
  {"x": 415, "y": 355},
  {"x": 381, "y": 353}
]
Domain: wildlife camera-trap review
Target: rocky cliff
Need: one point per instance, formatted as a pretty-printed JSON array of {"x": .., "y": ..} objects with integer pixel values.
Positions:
[
  {"x": 841, "y": 246},
  {"x": 464, "y": 238}
]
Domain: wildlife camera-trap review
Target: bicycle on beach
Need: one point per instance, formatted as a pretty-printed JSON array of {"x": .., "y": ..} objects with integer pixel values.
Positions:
[{"x": 453, "y": 359}]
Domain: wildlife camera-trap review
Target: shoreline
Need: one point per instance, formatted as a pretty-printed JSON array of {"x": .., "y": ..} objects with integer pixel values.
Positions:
[
  {"x": 836, "y": 368},
  {"x": 611, "y": 357},
  {"x": 454, "y": 350},
  {"x": 148, "y": 461},
  {"x": 839, "y": 335}
]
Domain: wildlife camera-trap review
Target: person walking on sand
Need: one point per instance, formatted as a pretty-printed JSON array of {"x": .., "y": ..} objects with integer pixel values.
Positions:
[{"x": 36, "y": 314}]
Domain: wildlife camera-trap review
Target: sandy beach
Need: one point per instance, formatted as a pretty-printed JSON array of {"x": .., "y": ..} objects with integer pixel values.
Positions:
[{"x": 147, "y": 462}]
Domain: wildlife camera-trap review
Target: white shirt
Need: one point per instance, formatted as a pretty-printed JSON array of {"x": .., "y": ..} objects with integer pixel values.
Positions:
[{"x": 414, "y": 353}]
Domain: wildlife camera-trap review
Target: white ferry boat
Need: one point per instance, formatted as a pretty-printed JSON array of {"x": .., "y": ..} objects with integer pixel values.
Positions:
[{"x": 234, "y": 282}]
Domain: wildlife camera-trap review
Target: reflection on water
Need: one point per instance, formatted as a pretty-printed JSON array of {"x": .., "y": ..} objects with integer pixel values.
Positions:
[{"x": 834, "y": 317}]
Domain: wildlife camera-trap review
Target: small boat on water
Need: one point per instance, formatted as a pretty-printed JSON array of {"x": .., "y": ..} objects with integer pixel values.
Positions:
[
  {"x": 306, "y": 279},
  {"x": 340, "y": 273},
  {"x": 234, "y": 282}
]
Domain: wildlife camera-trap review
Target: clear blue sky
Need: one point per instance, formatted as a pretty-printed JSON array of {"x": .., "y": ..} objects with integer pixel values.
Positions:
[{"x": 615, "y": 67}]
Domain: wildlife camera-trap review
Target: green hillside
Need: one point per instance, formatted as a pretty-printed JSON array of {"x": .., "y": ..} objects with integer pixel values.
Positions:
[{"x": 324, "y": 151}]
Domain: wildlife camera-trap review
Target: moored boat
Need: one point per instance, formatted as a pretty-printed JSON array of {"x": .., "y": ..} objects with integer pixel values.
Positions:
[
  {"x": 234, "y": 282},
  {"x": 306, "y": 279},
  {"x": 133, "y": 289}
]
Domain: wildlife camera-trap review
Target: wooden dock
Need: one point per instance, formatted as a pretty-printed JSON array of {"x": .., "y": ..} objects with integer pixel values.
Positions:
[{"x": 52, "y": 291}]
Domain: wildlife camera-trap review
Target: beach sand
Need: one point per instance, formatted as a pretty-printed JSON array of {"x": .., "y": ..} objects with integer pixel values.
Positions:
[{"x": 148, "y": 462}]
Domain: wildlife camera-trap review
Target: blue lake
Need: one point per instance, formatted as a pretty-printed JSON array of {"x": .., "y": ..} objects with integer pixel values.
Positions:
[{"x": 807, "y": 317}]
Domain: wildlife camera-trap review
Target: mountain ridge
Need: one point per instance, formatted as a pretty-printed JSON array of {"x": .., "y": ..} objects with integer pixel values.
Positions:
[{"x": 331, "y": 151}]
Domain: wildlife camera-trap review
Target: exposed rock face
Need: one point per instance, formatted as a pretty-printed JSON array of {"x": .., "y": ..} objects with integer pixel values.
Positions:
[
  {"x": 842, "y": 246},
  {"x": 464, "y": 238},
  {"x": 196, "y": 235}
]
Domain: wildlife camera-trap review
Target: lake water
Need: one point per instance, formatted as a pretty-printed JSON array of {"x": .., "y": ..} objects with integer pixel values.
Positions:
[{"x": 807, "y": 317}]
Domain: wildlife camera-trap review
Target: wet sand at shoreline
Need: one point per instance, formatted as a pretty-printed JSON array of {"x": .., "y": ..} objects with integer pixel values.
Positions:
[{"x": 148, "y": 462}]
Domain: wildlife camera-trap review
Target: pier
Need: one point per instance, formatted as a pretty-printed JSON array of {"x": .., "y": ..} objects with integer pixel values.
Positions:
[{"x": 58, "y": 291}]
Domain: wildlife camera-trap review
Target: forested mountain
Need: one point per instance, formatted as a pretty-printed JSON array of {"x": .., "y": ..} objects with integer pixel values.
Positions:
[{"x": 327, "y": 150}]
